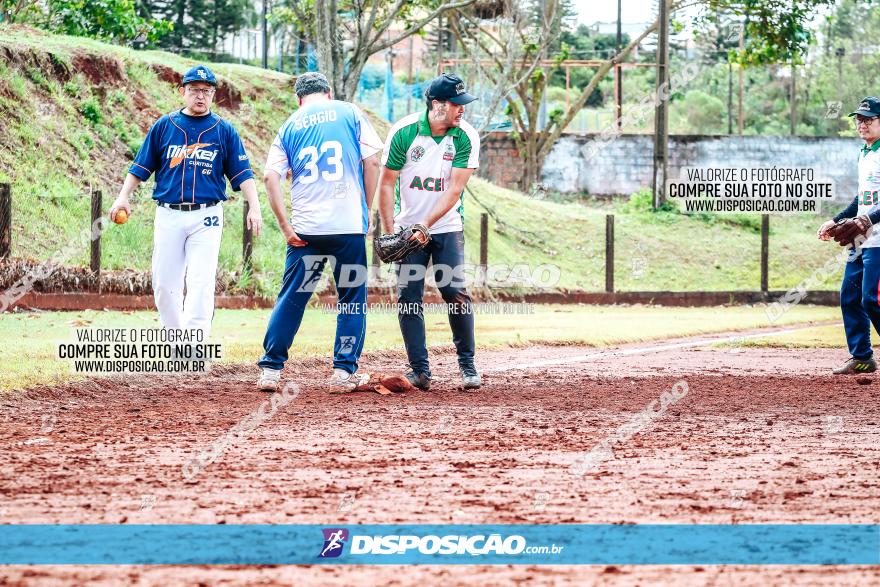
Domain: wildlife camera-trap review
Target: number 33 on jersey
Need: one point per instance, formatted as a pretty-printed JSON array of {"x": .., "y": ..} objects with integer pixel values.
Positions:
[{"x": 323, "y": 145}]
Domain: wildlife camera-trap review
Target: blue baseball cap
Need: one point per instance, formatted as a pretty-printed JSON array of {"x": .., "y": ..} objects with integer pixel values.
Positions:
[{"x": 199, "y": 73}]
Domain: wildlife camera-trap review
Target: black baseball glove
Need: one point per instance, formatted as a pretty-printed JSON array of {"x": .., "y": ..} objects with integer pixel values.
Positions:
[
  {"x": 395, "y": 247},
  {"x": 847, "y": 229}
]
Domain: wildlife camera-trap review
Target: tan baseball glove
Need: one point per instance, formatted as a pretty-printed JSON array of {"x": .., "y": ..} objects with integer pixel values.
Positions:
[{"x": 386, "y": 384}]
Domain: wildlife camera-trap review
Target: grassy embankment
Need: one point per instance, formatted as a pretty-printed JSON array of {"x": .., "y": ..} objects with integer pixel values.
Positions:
[{"x": 74, "y": 110}]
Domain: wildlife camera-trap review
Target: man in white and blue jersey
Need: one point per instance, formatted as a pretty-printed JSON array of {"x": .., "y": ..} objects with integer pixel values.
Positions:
[{"x": 332, "y": 154}]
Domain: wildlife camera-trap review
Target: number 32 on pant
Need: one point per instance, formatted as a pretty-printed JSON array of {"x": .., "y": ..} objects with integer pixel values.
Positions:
[{"x": 212, "y": 221}]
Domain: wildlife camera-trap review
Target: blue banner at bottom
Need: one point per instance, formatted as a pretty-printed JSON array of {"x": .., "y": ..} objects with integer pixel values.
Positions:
[{"x": 545, "y": 544}]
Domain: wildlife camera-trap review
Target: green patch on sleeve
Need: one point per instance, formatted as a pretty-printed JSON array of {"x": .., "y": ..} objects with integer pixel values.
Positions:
[{"x": 400, "y": 144}]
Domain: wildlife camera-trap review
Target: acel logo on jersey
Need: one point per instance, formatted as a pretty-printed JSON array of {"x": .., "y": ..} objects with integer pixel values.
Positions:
[{"x": 177, "y": 153}]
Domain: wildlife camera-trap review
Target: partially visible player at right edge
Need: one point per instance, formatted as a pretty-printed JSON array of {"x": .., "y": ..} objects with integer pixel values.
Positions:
[
  {"x": 858, "y": 292},
  {"x": 428, "y": 159}
]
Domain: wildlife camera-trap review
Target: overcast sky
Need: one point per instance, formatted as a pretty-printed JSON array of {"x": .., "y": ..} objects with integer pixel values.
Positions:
[{"x": 634, "y": 11}]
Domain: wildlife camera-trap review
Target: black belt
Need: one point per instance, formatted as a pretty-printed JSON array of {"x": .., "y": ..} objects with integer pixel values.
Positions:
[{"x": 186, "y": 207}]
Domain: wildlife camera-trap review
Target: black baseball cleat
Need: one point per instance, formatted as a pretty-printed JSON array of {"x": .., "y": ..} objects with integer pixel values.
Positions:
[
  {"x": 856, "y": 366},
  {"x": 470, "y": 377},
  {"x": 420, "y": 380}
]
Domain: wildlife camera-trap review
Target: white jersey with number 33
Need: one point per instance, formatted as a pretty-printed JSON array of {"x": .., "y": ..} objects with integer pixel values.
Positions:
[{"x": 323, "y": 145}]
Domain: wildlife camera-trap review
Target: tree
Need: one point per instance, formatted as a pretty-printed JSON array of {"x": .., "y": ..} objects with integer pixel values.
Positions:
[
  {"x": 584, "y": 43},
  {"x": 15, "y": 10},
  {"x": 511, "y": 53},
  {"x": 776, "y": 30},
  {"x": 199, "y": 25},
  {"x": 171, "y": 12},
  {"x": 520, "y": 57},
  {"x": 705, "y": 113},
  {"x": 109, "y": 20},
  {"x": 350, "y": 31},
  {"x": 217, "y": 19}
]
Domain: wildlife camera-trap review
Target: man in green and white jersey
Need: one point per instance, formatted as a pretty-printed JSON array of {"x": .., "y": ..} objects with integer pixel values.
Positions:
[{"x": 427, "y": 161}]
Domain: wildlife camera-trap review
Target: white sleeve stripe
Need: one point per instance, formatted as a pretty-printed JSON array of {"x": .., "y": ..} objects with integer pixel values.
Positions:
[{"x": 473, "y": 136}]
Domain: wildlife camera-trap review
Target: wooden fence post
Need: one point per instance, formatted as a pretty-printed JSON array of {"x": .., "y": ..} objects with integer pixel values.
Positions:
[
  {"x": 247, "y": 241},
  {"x": 484, "y": 249},
  {"x": 765, "y": 252},
  {"x": 95, "y": 259},
  {"x": 5, "y": 220},
  {"x": 609, "y": 253}
]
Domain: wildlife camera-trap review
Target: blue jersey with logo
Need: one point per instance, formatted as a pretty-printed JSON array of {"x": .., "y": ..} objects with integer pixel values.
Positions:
[
  {"x": 323, "y": 145},
  {"x": 192, "y": 157}
]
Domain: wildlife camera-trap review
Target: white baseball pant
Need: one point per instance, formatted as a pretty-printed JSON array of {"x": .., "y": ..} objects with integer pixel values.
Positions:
[{"x": 186, "y": 246}]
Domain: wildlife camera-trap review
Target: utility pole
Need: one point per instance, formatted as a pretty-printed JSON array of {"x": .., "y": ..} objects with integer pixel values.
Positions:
[
  {"x": 661, "y": 117},
  {"x": 441, "y": 42},
  {"x": 793, "y": 100},
  {"x": 618, "y": 79},
  {"x": 729, "y": 96},
  {"x": 265, "y": 34},
  {"x": 279, "y": 45},
  {"x": 840, "y": 52},
  {"x": 741, "y": 115},
  {"x": 389, "y": 85},
  {"x": 409, "y": 77}
]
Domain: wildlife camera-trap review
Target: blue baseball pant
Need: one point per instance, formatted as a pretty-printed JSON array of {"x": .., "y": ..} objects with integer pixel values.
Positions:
[
  {"x": 347, "y": 255},
  {"x": 858, "y": 301}
]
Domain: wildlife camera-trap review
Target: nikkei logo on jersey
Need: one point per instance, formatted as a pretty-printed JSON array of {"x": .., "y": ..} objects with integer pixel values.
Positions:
[
  {"x": 334, "y": 542},
  {"x": 177, "y": 153}
]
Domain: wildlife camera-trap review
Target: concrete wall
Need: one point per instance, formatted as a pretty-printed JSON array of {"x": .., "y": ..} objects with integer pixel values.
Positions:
[{"x": 624, "y": 165}]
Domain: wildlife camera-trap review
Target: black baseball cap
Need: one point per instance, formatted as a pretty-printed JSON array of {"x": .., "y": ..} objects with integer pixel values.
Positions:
[
  {"x": 870, "y": 107},
  {"x": 449, "y": 87}
]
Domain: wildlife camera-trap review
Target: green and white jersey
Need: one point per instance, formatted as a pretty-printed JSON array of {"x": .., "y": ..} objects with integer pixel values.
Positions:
[
  {"x": 869, "y": 188},
  {"x": 425, "y": 163}
]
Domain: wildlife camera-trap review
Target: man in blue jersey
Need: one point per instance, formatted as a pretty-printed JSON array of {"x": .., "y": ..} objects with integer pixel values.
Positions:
[
  {"x": 192, "y": 153},
  {"x": 332, "y": 154}
]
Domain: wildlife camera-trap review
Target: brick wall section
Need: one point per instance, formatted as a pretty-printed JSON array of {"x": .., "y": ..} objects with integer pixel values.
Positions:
[
  {"x": 624, "y": 165},
  {"x": 500, "y": 162}
]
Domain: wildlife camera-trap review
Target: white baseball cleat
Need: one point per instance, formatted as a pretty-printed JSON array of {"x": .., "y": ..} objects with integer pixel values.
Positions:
[
  {"x": 342, "y": 381},
  {"x": 270, "y": 379}
]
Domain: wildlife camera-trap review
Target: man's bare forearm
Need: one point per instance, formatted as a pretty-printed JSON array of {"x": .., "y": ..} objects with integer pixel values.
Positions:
[
  {"x": 272, "y": 181},
  {"x": 249, "y": 189},
  {"x": 387, "y": 179},
  {"x": 129, "y": 186},
  {"x": 386, "y": 208},
  {"x": 371, "y": 178},
  {"x": 458, "y": 182}
]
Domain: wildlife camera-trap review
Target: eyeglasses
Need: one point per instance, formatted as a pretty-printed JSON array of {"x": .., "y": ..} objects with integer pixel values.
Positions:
[
  {"x": 864, "y": 121},
  {"x": 201, "y": 92}
]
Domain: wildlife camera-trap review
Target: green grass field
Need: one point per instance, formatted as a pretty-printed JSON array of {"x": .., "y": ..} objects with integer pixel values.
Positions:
[
  {"x": 32, "y": 358},
  {"x": 819, "y": 337}
]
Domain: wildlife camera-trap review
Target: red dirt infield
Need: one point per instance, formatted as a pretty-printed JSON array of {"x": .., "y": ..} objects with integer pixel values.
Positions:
[{"x": 762, "y": 436}]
